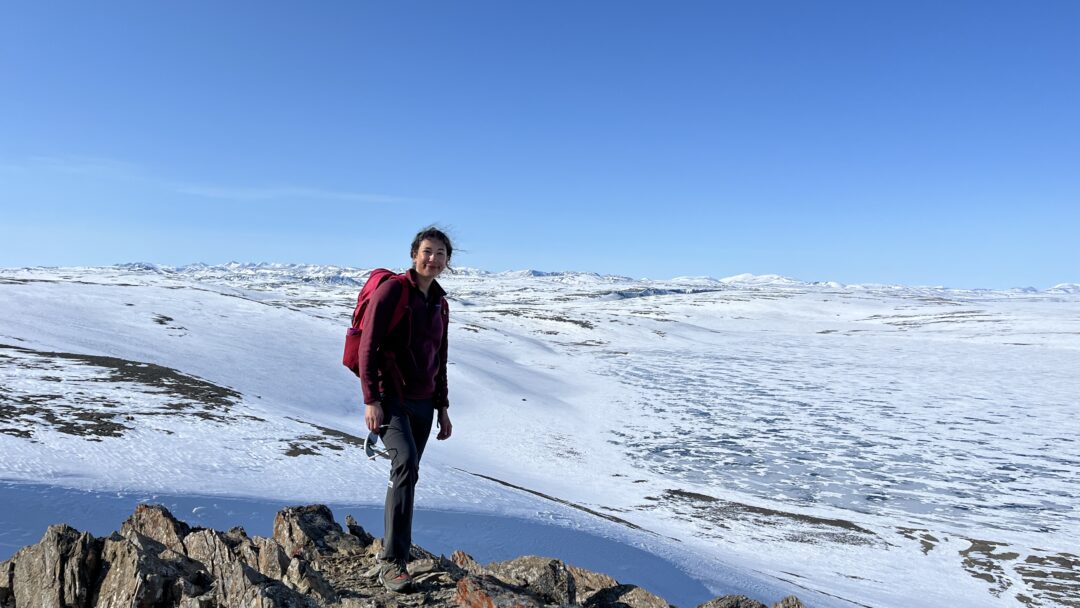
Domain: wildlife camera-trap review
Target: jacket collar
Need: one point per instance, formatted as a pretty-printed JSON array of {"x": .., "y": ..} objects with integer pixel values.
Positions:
[{"x": 435, "y": 292}]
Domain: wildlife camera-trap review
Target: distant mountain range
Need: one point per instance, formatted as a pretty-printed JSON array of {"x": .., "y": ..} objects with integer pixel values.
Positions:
[{"x": 342, "y": 275}]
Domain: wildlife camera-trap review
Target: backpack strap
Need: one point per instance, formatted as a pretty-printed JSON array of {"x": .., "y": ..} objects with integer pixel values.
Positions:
[
  {"x": 362, "y": 300},
  {"x": 402, "y": 303}
]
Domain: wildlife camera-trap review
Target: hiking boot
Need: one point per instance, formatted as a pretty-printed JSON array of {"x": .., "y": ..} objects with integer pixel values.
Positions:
[{"x": 395, "y": 577}]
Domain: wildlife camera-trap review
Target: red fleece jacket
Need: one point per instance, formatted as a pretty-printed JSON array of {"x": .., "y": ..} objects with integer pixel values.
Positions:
[{"x": 413, "y": 355}]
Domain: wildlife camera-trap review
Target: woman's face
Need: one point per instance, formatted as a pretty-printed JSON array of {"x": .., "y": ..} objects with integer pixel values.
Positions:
[{"x": 430, "y": 258}]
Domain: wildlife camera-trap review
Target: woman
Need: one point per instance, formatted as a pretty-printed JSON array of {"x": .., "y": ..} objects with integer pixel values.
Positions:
[{"x": 403, "y": 373}]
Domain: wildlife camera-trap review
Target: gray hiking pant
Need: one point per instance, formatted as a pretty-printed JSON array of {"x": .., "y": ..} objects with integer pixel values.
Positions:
[{"x": 409, "y": 426}]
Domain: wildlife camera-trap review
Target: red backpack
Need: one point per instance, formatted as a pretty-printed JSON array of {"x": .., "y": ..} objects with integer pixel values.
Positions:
[{"x": 352, "y": 335}]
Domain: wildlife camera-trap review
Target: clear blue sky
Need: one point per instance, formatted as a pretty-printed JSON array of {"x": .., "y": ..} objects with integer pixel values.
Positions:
[{"x": 929, "y": 143}]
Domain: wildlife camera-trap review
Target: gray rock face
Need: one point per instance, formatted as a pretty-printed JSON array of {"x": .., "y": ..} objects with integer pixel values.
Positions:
[
  {"x": 587, "y": 583},
  {"x": 7, "y": 583},
  {"x": 155, "y": 521},
  {"x": 308, "y": 581},
  {"x": 58, "y": 571},
  {"x": 546, "y": 577},
  {"x": 355, "y": 529},
  {"x": 245, "y": 549},
  {"x": 236, "y": 582},
  {"x": 625, "y": 596},
  {"x": 467, "y": 563},
  {"x": 311, "y": 530},
  {"x": 270, "y": 558},
  {"x": 487, "y": 592},
  {"x": 157, "y": 561},
  {"x": 733, "y": 601},
  {"x": 140, "y": 572}
]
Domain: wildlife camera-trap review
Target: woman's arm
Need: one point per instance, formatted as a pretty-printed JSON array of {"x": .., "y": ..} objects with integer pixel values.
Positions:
[
  {"x": 442, "y": 400},
  {"x": 376, "y": 326},
  {"x": 445, "y": 428}
]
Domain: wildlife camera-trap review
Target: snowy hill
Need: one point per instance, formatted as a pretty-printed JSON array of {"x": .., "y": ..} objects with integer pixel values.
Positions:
[{"x": 858, "y": 441}]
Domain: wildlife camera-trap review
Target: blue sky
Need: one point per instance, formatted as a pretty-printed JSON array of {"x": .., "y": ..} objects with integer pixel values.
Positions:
[{"x": 928, "y": 143}]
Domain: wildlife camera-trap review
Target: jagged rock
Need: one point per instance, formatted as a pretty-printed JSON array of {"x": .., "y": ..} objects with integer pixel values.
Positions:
[
  {"x": 245, "y": 548},
  {"x": 732, "y": 601},
  {"x": 546, "y": 577},
  {"x": 305, "y": 579},
  {"x": 272, "y": 560},
  {"x": 357, "y": 531},
  {"x": 138, "y": 571},
  {"x": 7, "y": 583},
  {"x": 789, "y": 602},
  {"x": 310, "y": 530},
  {"x": 58, "y": 571},
  {"x": 418, "y": 553},
  {"x": 467, "y": 563},
  {"x": 424, "y": 566},
  {"x": 236, "y": 582},
  {"x": 156, "y": 522},
  {"x": 587, "y": 582},
  {"x": 235, "y": 536},
  {"x": 488, "y": 592},
  {"x": 625, "y": 596},
  {"x": 374, "y": 549}
]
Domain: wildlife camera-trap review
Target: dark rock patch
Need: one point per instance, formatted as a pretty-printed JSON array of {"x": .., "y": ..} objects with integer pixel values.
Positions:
[
  {"x": 330, "y": 439},
  {"x": 1054, "y": 577},
  {"x": 714, "y": 513},
  {"x": 86, "y": 409},
  {"x": 541, "y": 316},
  {"x": 926, "y": 540}
]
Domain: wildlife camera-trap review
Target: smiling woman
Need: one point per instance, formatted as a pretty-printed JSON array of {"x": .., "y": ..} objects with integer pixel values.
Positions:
[{"x": 402, "y": 367}]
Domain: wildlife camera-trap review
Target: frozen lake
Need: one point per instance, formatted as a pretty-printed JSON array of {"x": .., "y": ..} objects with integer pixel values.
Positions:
[{"x": 950, "y": 435}]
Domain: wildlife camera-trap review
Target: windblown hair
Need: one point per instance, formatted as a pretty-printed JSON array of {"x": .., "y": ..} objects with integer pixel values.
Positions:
[{"x": 432, "y": 233}]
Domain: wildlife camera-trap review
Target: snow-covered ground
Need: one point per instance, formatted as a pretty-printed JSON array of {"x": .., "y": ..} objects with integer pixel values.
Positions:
[{"x": 868, "y": 444}]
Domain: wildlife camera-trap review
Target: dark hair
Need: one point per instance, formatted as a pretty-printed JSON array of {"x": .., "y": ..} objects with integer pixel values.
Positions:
[{"x": 433, "y": 233}]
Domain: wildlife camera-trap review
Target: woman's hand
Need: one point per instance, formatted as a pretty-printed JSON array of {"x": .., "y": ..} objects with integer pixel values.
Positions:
[
  {"x": 373, "y": 416},
  {"x": 445, "y": 428}
]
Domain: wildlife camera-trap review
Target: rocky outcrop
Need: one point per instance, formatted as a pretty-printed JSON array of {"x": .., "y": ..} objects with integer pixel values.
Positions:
[
  {"x": 155, "y": 560},
  {"x": 733, "y": 601},
  {"x": 142, "y": 572},
  {"x": 545, "y": 577},
  {"x": 625, "y": 596},
  {"x": 155, "y": 521},
  {"x": 487, "y": 592},
  {"x": 741, "y": 601},
  {"x": 58, "y": 571},
  {"x": 7, "y": 582},
  {"x": 311, "y": 531},
  {"x": 588, "y": 583}
]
